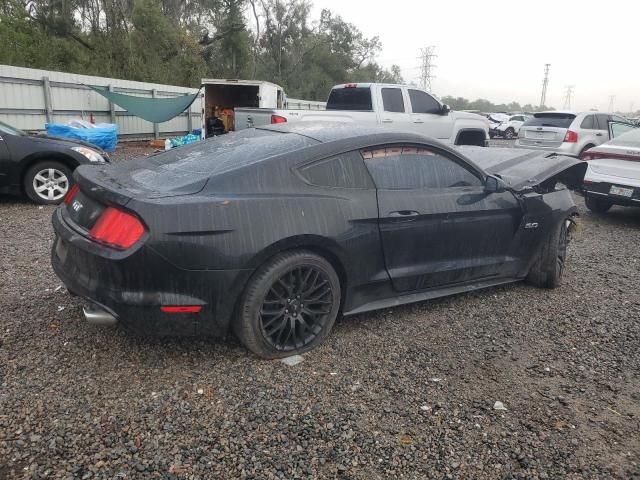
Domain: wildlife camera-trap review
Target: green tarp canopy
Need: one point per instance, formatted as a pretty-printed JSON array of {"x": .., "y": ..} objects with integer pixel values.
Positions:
[{"x": 155, "y": 110}]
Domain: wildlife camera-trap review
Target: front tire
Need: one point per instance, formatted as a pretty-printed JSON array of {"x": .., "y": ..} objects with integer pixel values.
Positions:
[
  {"x": 289, "y": 305},
  {"x": 548, "y": 269},
  {"x": 48, "y": 182},
  {"x": 596, "y": 205},
  {"x": 509, "y": 133}
]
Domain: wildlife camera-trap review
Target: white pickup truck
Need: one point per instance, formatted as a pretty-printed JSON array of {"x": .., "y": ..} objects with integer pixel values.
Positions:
[{"x": 397, "y": 106}]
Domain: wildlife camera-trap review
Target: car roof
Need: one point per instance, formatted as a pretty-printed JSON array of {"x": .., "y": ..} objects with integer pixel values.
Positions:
[{"x": 330, "y": 132}]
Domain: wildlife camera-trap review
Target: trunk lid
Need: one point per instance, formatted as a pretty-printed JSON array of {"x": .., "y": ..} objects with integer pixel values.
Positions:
[
  {"x": 524, "y": 170},
  {"x": 545, "y": 129}
]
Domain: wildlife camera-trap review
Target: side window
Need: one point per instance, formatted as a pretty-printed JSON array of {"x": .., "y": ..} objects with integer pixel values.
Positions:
[
  {"x": 602, "y": 121},
  {"x": 399, "y": 168},
  {"x": 392, "y": 100},
  {"x": 422, "y": 102},
  {"x": 342, "y": 171},
  {"x": 618, "y": 118},
  {"x": 587, "y": 123}
]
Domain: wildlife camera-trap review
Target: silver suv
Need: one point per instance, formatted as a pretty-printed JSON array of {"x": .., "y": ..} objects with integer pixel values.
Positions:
[{"x": 566, "y": 132}]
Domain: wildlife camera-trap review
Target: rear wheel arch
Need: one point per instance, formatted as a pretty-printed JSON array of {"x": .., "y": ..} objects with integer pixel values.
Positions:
[
  {"x": 471, "y": 136},
  {"x": 321, "y": 246},
  {"x": 586, "y": 147}
]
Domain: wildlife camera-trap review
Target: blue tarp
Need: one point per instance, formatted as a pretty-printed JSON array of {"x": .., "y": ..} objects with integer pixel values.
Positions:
[{"x": 103, "y": 135}]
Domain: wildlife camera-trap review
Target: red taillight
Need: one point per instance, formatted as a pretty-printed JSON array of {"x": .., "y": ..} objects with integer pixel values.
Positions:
[
  {"x": 278, "y": 119},
  {"x": 117, "y": 229},
  {"x": 71, "y": 193},
  {"x": 181, "y": 308},
  {"x": 571, "y": 137}
]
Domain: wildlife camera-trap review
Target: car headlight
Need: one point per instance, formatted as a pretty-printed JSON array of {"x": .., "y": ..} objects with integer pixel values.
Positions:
[{"x": 91, "y": 155}]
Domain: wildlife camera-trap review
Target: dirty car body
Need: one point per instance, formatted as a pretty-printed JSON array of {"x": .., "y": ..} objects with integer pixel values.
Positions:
[{"x": 211, "y": 214}]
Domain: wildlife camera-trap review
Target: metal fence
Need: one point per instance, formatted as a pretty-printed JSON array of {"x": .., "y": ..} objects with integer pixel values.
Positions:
[{"x": 29, "y": 98}]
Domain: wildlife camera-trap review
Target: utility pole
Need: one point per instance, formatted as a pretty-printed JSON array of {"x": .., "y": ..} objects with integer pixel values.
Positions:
[
  {"x": 426, "y": 69},
  {"x": 568, "y": 94},
  {"x": 611, "y": 99},
  {"x": 545, "y": 82}
]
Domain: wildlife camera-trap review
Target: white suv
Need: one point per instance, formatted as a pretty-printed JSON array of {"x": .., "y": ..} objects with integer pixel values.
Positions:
[
  {"x": 509, "y": 128},
  {"x": 566, "y": 132}
]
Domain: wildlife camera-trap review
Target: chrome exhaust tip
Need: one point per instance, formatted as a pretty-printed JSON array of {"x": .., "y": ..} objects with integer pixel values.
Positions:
[{"x": 98, "y": 316}]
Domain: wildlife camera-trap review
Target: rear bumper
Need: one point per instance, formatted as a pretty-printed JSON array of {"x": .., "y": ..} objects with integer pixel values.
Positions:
[
  {"x": 600, "y": 190},
  {"x": 133, "y": 288},
  {"x": 564, "y": 148}
]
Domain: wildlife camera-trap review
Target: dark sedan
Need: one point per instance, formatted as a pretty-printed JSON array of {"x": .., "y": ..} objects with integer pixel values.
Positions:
[
  {"x": 39, "y": 166},
  {"x": 275, "y": 231}
]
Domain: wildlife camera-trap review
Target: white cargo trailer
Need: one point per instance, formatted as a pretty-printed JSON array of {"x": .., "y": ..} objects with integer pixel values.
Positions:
[{"x": 222, "y": 98}]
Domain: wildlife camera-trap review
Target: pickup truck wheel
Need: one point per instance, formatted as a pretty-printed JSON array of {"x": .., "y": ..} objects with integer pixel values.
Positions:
[
  {"x": 289, "y": 305},
  {"x": 509, "y": 133},
  {"x": 47, "y": 182},
  {"x": 596, "y": 205},
  {"x": 548, "y": 269}
]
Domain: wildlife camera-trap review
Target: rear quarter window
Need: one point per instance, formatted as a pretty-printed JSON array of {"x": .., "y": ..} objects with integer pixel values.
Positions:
[
  {"x": 588, "y": 123},
  {"x": 557, "y": 120},
  {"x": 342, "y": 171}
]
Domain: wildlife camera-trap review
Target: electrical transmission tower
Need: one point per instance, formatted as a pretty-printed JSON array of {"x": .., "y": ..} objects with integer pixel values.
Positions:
[
  {"x": 426, "y": 69},
  {"x": 611, "y": 100},
  {"x": 545, "y": 82},
  {"x": 568, "y": 94}
]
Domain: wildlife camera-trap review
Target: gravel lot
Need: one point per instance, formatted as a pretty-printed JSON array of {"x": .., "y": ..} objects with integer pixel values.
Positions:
[{"x": 401, "y": 393}]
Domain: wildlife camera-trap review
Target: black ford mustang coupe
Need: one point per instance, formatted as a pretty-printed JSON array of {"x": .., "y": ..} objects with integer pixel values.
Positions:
[{"x": 274, "y": 231}]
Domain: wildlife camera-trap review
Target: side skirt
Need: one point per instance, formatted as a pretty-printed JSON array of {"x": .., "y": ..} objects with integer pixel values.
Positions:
[{"x": 429, "y": 295}]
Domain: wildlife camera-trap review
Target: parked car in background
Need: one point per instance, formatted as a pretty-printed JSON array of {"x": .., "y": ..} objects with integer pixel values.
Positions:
[
  {"x": 273, "y": 231},
  {"x": 496, "y": 119},
  {"x": 41, "y": 167},
  {"x": 394, "y": 106},
  {"x": 613, "y": 172},
  {"x": 569, "y": 133},
  {"x": 509, "y": 128}
]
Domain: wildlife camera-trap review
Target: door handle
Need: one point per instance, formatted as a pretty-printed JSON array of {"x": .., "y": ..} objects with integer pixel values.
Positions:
[
  {"x": 598, "y": 134},
  {"x": 418, "y": 121},
  {"x": 387, "y": 120},
  {"x": 403, "y": 215}
]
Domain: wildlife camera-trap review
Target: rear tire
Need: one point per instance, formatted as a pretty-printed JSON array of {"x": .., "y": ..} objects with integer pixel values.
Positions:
[
  {"x": 48, "y": 182},
  {"x": 289, "y": 305},
  {"x": 596, "y": 205},
  {"x": 548, "y": 269}
]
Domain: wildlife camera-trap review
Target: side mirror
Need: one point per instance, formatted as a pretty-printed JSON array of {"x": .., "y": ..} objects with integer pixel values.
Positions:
[
  {"x": 494, "y": 185},
  {"x": 445, "y": 109}
]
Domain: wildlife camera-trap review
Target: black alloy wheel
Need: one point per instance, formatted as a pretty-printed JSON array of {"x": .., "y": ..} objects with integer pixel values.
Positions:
[
  {"x": 296, "y": 308},
  {"x": 289, "y": 305}
]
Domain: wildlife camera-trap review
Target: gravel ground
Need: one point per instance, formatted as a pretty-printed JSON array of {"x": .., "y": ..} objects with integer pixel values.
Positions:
[{"x": 407, "y": 392}]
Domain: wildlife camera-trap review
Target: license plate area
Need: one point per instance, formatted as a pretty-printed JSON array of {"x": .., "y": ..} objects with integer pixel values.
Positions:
[{"x": 621, "y": 191}]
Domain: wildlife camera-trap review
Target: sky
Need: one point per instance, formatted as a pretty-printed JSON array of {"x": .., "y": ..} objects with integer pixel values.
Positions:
[{"x": 497, "y": 50}]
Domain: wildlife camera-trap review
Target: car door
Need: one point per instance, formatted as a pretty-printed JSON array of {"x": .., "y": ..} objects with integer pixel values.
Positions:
[
  {"x": 437, "y": 224},
  {"x": 427, "y": 117},
  {"x": 393, "y": 107}
]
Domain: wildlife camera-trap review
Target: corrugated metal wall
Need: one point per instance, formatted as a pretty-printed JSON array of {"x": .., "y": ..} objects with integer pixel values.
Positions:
[{"x": 29, "y": 98}]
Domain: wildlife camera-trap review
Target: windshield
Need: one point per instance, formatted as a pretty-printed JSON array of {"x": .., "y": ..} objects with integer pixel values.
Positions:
[
  {"x": 558, "y": 120},
  {"x": 9, "y": 130}
]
